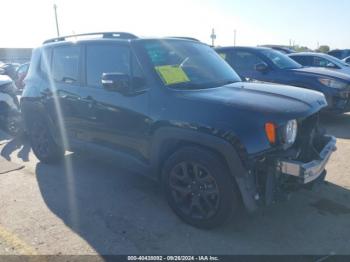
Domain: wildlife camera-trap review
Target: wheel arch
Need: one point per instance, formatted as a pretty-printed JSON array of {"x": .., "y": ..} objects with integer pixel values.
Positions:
[
  {"x": 169, "y": 139},
  {"x": 32, "y": 109}
]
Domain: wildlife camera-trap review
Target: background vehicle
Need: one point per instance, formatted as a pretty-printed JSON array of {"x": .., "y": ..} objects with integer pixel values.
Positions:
[
  {"x": 321, "y": 60},
  {"x": 9, "y": 69},
  {"x": 267, "y": 65},
  {"x": 10, "y": 117},
  {"x": 21, "y": 73},
  {"x": 174, "y": 110},
  {"x": 347, "y": 60},
  {"x": 340, "y": 53},
  {"x": 280, "y": 48}
]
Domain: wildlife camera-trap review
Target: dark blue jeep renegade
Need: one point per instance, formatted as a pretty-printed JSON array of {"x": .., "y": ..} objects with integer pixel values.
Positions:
[{"x": 173, "y": 109}]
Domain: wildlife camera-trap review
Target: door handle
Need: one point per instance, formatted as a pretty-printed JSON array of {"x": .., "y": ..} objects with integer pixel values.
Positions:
[
  {"x": 47, "y": 92},
  {"x": 90, "y": 101},
  {"x": 89, "y": 98}
]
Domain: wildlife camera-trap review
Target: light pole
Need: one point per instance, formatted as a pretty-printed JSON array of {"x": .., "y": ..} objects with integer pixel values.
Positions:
[
  {"x": 57, "y": 28},
  {"x": 235, "y": 35},
  {"x": 213, "y": 37}
]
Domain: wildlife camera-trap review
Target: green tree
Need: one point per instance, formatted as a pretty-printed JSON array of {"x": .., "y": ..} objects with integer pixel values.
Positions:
[
  {"x": 323, "y": 49},
  {"x": 301, "y": 48}
]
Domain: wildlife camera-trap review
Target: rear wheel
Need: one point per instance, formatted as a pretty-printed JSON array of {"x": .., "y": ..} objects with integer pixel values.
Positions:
[
  {"x": 43, "y": 144},
  {"x": 14, "y": 125},
  {"x": 199, "y": 188}
]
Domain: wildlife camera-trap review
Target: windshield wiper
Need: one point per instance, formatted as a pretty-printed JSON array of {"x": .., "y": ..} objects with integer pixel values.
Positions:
[{"x": 227, "y": 82}]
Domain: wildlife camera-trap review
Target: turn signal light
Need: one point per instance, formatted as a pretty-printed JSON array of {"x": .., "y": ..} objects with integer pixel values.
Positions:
[{"x": 270, "y": 130}]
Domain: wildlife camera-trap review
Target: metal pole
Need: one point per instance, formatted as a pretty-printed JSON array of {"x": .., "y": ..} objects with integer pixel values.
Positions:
[
  {"x": 235, "y": 34},
  {"x": 213, "y": 37},
  {"x": 57, "y": 28}
]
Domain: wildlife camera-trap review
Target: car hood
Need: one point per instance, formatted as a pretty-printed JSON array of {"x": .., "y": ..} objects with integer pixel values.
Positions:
[
  {"x": 344, "y": 70},
  {"x": 280, "y": 100},
  {"x": 317, "y": 71},
  {"x": 4, "y": 79}
]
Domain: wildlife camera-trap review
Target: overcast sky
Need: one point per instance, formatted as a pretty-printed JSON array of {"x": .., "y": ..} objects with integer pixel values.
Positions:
[{"x": 26, "y": 23}]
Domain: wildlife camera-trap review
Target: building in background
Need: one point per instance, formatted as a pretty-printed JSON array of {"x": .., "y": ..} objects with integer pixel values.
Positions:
[{"x": 15, "y": 55}]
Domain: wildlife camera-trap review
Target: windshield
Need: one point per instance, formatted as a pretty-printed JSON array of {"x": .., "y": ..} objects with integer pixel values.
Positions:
[
  {"x": 336, "y": 60},
  {"x": 280, "y": 60},
  {"x": 187, "y": 64}
]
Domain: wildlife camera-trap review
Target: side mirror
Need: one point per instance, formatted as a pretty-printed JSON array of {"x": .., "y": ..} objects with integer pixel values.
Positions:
[
  {"x": 118, "y": 82},
  {"x": 261, "y": 67}
]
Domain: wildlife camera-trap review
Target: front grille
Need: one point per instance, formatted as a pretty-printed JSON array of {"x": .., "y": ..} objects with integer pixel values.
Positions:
[{"x": 308, "y": 132}]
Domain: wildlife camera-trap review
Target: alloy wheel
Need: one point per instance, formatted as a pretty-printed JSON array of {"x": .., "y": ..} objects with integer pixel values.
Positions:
[{"x": 194, "y": 190}]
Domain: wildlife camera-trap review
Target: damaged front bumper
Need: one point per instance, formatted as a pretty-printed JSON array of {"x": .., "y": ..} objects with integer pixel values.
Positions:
[{"x": 309, "y": 171}]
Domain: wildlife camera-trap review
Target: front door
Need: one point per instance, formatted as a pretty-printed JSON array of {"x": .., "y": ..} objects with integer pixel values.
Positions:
[
  {"x": 244, "y": 62},
  {"x": 116, "y": 121}
]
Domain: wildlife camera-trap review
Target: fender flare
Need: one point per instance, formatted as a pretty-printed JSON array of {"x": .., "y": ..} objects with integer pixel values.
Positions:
[
  {"x": 243, "y": 178},
  {"x": 33, "y": 109}
]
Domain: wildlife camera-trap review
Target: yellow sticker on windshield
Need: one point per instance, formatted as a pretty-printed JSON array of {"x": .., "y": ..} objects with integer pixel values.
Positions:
[
  {"x": 223, "y": 55},
  {"x": 172, "y": 74}
]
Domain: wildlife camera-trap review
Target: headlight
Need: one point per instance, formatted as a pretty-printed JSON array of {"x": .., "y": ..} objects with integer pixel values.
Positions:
[
  {"x": 290, "y": 132},
  {"x": 332, "y": 83}
]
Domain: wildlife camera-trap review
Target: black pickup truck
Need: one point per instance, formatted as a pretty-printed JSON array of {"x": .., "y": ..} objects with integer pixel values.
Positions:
[{"x": 173, "y": 109}]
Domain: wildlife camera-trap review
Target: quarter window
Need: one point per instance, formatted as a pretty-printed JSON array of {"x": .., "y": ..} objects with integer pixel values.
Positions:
[{"x": 65, "y": 64}]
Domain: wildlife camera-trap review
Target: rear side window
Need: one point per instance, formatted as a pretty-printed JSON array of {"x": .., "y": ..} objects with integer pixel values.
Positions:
[
  {"x": 106, "y": 59},
  {"x": 303, "y": 60},
  {"x": 242, "y": 60},
  {"x": 321, "y": 62},
  {"x": 65, "y": 64}
]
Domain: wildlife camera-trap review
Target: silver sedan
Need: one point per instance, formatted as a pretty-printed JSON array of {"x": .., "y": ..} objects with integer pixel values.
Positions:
[{"x": 321, "y": 60}]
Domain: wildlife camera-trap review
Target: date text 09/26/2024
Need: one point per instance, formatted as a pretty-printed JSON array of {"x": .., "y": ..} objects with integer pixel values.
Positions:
[{"x": 173, "y": 258}]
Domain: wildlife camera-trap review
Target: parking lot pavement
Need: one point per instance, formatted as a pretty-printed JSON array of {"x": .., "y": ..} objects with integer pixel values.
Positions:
[{"x": 87, "y": 206}]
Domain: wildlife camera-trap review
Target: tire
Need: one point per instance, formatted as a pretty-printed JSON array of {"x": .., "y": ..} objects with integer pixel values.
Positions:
[
  {"x": 199, "y": 188},
  {"x": 43, "y": 144},
  {"x": 14, "y": 125}
]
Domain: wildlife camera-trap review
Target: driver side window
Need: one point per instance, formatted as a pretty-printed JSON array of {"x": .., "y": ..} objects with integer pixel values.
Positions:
[
  {"x": 112, "y": 58},
  {"x": 321, "y": 62},
  {"x": 242, "y": 60},
  {"x": 102, "y": 58}
]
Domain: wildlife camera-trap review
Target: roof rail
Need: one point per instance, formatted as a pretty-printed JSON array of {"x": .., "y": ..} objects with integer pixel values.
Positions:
[
  {"x": 185, "y": 37},
  {"x": 120, "y": 35}
]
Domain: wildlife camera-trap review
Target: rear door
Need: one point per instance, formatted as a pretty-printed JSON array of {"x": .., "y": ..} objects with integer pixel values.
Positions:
[
  {"x": 115, "y": 120},
  {"x": 65, "y": 85}
]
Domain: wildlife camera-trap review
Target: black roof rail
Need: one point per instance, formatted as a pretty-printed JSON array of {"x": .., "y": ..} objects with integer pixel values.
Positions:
[{"x": 120, "y": 35}]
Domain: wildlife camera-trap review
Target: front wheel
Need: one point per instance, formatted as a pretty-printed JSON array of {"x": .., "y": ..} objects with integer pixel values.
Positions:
[
  {"x": 199, "y": 188},
  {"x": 43, "y": 144}
]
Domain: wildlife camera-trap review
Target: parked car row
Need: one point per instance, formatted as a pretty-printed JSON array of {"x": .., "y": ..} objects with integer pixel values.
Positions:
[
  {"x": 17, "y": 72},
  {"x": 172, "y": 108},
  {"x": 9, "y": 69},
  {"x": 267, "y": 65},
  {"x": 340, "y": 53},
  {"x": 10, "y": 116},
  {"x": 347, "y": 60}
]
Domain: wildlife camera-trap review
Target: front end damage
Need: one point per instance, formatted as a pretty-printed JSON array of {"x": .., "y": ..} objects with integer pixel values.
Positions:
[
  {"x": 340, "y": 103},
  {"x": 277, "y": 174}
]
